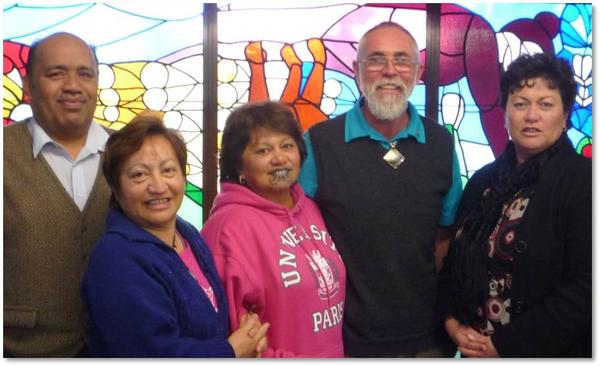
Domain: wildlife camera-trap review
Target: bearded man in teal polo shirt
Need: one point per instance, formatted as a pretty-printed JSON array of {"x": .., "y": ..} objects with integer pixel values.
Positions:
[{"x": 388, "y": 184}]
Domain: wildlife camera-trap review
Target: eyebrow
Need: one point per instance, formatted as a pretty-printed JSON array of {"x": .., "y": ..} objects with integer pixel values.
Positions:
[
  {"x": 535, "y": 99},
  {"x": 64, "y": 67},
  {"x": 396, "y": 54},
  {"x": 147, "y": 166}
]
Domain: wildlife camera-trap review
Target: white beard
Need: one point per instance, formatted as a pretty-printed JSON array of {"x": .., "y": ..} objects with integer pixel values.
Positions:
[{"x": 388, "y": 107}]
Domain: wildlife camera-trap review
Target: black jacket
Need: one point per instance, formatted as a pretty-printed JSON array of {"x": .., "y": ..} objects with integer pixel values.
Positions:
[{"x": 551, "y": 301}]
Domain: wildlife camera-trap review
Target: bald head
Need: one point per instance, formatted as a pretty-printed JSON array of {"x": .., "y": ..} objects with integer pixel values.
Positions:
[
  {"x": 362, "y": 43},
  {"x": 33, "y": 49}
]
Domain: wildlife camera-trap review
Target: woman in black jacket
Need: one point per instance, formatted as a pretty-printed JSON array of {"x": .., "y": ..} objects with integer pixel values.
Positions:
[{"x": 517, "y": 279}]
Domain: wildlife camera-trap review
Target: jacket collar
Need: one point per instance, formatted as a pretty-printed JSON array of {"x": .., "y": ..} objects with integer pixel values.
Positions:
[{"x": 117, "y": 222}]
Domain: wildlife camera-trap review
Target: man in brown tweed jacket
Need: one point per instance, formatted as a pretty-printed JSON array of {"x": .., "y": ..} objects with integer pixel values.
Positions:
[{"x": 55, "y": 200}]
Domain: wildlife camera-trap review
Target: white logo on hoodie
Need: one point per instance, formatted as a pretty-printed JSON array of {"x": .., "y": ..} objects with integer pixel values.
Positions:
[
  {"x": 326, "y": 281},
  {"x": 291, "y": 238}
]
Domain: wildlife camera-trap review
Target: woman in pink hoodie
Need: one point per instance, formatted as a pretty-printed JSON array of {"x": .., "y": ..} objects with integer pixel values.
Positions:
[{"x": 271, "y": 248}]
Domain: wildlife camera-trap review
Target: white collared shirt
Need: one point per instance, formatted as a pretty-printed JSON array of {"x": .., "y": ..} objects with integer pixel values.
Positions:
[{"x": 77, "y": 176}]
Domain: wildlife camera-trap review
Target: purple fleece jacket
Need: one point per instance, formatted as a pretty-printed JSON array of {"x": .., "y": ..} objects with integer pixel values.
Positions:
[{"x": 142, "y": 300}]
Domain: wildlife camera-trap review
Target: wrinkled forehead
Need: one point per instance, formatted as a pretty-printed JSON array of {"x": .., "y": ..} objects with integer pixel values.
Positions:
[
  {"x": 65, "y": 48},
  {"x": 152, "y": 148},
  {"x": 387, "y": 40}
]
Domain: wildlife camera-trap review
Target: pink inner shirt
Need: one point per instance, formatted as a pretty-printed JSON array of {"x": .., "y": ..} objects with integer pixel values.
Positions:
[{"x": 187, "y": 256}]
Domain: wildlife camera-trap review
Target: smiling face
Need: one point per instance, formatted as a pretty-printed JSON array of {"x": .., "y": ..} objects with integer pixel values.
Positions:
[
  {"x": 535, "y": 118},
  {"x": 63, "y": 86},
  {"x": 271, "y": 165},
  {"x": 387, "y": 90},
  {"x": 151, "y": 185}
]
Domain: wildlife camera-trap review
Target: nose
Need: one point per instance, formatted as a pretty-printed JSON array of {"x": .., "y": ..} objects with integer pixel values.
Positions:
[
  {"x": 532, "y": 114},
  {"x": 157, "y": 184},
  {"x": 71, "y": 83},
  {"x": 278, "y": 156},
  {"x": 389, "y": 68}
]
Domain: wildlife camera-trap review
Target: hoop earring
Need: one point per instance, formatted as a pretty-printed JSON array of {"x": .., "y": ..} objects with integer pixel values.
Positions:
[{"x": 242, "y": 180}]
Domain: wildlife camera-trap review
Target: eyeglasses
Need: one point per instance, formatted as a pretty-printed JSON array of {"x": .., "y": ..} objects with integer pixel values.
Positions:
[{"x": 378, "y": 63}]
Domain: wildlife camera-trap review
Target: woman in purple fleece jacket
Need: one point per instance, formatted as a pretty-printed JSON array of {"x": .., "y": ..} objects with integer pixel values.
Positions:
[
  {"x": 151, "y": 287},
  {"x": 272, "y": 250}
]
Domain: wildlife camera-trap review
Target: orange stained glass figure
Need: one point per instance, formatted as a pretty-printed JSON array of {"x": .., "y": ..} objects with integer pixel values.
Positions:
[{"x": 305, "y": 103}]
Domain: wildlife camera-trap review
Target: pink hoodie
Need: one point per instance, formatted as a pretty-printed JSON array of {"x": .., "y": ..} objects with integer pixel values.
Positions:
[{"x": 281, "y": 264}]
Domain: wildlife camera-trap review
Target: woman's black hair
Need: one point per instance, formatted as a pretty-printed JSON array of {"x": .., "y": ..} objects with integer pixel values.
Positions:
[
  {"x": 243, "y": 122},
  {"x": 554, "y": 69}
]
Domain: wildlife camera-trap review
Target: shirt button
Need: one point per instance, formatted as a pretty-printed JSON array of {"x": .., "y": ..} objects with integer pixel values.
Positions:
[
  {"x": 520, "y": 246},
  {"x": 519, "y": 307}
]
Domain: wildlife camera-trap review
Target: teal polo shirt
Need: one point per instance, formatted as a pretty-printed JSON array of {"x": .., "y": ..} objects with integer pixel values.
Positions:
[{"x": 357, "y": 127}]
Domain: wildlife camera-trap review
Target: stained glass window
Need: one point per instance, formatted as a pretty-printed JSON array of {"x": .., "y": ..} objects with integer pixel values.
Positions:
[
  {"x": 308, "y": 64},
  {"x": 151, "y": 56}
]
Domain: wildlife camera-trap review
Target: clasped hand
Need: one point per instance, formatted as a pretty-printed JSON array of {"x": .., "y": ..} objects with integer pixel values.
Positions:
[
  {"x": 470, "y": 342},
  {"x": 250, "y": 339}
]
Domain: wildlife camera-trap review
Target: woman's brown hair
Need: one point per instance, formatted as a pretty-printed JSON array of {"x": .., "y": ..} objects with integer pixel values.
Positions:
[{"x": 127, "y": 141}]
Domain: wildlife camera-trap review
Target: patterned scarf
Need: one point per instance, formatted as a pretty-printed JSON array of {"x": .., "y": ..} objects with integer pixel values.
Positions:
[{"x": 469, "y": 255}]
